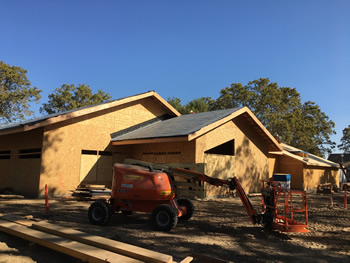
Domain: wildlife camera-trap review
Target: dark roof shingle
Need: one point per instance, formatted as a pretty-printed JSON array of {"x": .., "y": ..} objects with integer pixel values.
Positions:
[{"x": 175, "y": 127}]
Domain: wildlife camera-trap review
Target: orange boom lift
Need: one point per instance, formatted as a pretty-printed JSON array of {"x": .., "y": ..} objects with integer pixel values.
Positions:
[{"x": 137, "y": 188}]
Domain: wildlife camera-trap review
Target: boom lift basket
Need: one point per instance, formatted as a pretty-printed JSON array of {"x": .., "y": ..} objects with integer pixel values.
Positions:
[{"x": 287, "y": 206}]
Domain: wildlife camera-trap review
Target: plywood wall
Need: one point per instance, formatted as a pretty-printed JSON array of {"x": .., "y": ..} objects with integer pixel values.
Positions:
[
  {"x": 250, "y": 162},
  {"x": 218, "y": 136},
  {"x": 219, "y": 166},
  {"x": 20, "y": 171},
  {"x": 172, "y": 152},
  {"x": 313, "y": 176},
  {"x": 63, "y": 167},
  {"x": 273, "y": 165},
  {"x": 293, "y": 167}
]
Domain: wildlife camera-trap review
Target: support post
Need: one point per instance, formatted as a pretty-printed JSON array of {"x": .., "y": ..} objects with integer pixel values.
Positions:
[
  {"x": 345, "y": 196},
  {"x": 331, "y": 200}
]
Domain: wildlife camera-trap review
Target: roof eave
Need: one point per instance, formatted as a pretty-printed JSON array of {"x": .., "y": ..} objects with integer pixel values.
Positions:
[
  {"x": 85, "y": 111},
  {"x": 307, "y": 161},
  {"x": 151, "y": 140}
]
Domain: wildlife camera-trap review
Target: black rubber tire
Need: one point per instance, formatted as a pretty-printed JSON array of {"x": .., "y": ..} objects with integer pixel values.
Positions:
[
  {"x": 189, "y": 208},
  {"x": 267, "y": 221},
  {"x": 164, "y": 218},
  {"x": 100, "y": 212}
]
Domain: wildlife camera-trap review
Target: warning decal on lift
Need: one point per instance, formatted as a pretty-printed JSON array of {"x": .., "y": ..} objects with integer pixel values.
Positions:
[{"x": 127, "y": 185}]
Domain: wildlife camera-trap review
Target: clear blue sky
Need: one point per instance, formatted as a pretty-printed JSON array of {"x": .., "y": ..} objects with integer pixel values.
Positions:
[{"x": 183, "y": 48}]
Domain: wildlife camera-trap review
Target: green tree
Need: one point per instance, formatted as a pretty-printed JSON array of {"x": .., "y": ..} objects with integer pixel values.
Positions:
[
  {"x": 345, "y": 141},
  {"x": 69, "y": 97},
  {"x": 176, "y": 103},
  {"x": 197, "y": 105},
  {"x": 16, "y": 94},
  {"x": 280, "y": 109}
]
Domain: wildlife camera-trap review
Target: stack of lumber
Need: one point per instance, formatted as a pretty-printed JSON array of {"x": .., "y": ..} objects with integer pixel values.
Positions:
[
  {"x": 92, "y": 192},
  {"x": 81, "y": 245},
  {"x": 327, "y": 188},
  {"x": 185, "y": 184}
]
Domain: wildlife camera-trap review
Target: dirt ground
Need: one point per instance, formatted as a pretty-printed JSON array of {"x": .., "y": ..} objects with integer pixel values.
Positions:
[{"x": 220, "y": 228}]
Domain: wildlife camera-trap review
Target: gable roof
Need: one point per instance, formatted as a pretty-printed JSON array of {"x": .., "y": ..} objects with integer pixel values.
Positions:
[
  {"x": 310, "y": 160},
  {"x": 62, "y": 116},
  {"x": 191, "y": 126}
]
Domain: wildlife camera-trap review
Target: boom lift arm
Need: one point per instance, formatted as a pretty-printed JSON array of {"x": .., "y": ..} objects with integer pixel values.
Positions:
[
  {"x": 271, "y": 192},
  {"x": 232, "y": 184}
]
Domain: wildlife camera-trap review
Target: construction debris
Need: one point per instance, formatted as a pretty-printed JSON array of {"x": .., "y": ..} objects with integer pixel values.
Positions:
[
  {"x": 327, "y": 188},
  {"x": 92, "y": 192}
]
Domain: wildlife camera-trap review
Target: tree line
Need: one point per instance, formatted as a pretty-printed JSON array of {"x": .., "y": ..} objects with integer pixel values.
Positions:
[
  {"x": 302, "y": 125},
  {"x": 281, "y": 111}
]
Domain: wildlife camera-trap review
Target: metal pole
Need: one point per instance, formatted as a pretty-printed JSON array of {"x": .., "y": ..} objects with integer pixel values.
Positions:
[
  {"x": 331, "y": 200},
  {"x": 345, "y": 196}
]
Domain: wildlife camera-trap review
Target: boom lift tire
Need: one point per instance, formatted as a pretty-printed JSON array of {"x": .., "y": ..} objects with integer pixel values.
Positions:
[
  {"x": 164, "y": 217},
  {"x": 189, "y": 208},
  {"x": 100, "y": 212}
]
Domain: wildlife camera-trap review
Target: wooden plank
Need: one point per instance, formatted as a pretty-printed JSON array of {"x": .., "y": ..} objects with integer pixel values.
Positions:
[
  {"x": 187, "y": 184},
  {"x": 169, "y": 167},
  {"x": 17, "y": 219},
  {"x": 198, "y": 191},
  {"x": 146, "y": 164},
  {"x": 142, "y": 254},
  {"x": 187, "y": 260},
  {"x": 189, "y": 193},
  {"x": 72, "y": 248}
]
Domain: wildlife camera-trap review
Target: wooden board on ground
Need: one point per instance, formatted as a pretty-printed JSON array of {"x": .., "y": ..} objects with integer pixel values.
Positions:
[
  {"x": 17, "y": 219},
  {"x": 63, "y": 245},
  {"x": 139, "y": 253}
]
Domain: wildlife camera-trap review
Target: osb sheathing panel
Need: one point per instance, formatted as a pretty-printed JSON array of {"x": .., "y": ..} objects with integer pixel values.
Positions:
[
  {"x": 173, "y": 152},
  {"x": 104, "y": 169},
  {"x": 63, "y": 142},
  {"x": 23, "y": 140},
  {"x": 216, "y": 137},
  {"x": 27, "y": 174},
  {"x": 273, "y": 165},
  {"x": 313, "y": 176},
  {"x": 293, "y": 167},
  {"x": 96, "y": 168},
  {"x": 88, "y": 168},
  {"x": 251, "y": 162},
  {"x": 5, "y": 173},
  {"x": 218, "y": 166},
  {"x": 22, "y": 175}
]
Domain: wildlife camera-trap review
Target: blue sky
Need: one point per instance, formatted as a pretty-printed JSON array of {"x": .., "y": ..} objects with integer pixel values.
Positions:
[{"x": 183, "y": 48}]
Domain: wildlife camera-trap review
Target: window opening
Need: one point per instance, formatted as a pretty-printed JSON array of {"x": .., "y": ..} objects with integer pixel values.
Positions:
[
  {"x": 29, "y": 153},
  {"x": 5, "y": 155},
  {"x": 89, "y": 152},
  {"x": 227, "y": 148}
]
